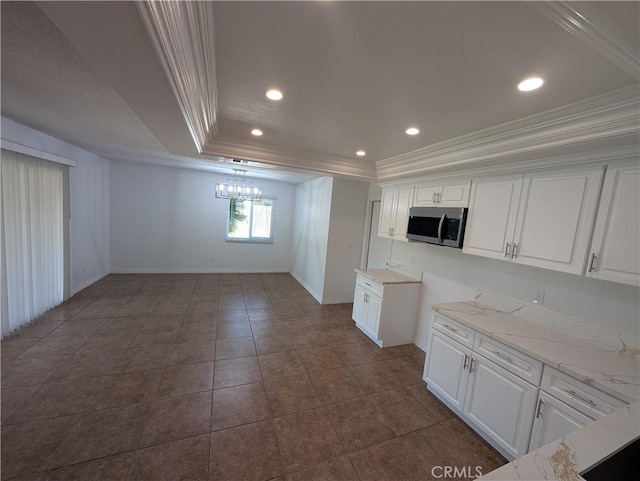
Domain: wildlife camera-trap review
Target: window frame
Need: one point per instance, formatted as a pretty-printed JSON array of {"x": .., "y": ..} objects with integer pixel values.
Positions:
[{"x": 251, "y": 239}]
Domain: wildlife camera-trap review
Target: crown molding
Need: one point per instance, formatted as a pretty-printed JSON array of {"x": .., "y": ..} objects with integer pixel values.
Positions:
[
  {"x": 586, "y": 125},
  {"x": 236, "y": 147},
  {"x": 582, "y": 21},
  {"x": 182, "y": 35}
]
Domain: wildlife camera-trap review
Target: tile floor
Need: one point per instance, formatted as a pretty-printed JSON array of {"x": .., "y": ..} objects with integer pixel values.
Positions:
[{"x": 218, "y": 377}]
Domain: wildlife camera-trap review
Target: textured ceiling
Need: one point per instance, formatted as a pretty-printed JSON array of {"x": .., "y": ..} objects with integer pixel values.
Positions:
[
  {"x": 48, "y": 86},
  {"x": 354, "y": 74},
  {"x": 357, "y": 74}
]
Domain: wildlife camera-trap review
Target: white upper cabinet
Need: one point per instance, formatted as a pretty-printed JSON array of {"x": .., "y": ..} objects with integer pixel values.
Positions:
[
  {"x": 542, "y": 219},
  {"x": 453, "y": 193},
  {"x": 555, "y": 219},
  {"x": 493, "y": 208},
  {"x": 394, "y": 212},
  {"x": 615, "y": 250}
]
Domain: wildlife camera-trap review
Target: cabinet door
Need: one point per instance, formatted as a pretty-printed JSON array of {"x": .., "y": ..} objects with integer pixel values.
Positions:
[
  {"x": 425, "y": 195},
  {"x": 553, "y": 420},
  {"x": 555, "y": 219},
  {"x": 501, "y": 404},
  {"x": 405, "y": 202},
  {"x": 454, "y": 194},
  {"x": 387, "y": 212},
  {"x": 358, "y": 305},
  {"x": 373, "y": 313},
  {"x": 446, "y": 369},
  {"x": 493, "y": 208},
  {"x": 615, "y": 252}
]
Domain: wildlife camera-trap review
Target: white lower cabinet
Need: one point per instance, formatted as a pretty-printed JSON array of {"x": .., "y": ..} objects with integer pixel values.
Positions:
[
  {"x": 495, "y": 402},
  {"x": 446, "y": 370},
  {"x": 514, "y": 401},
  {"x": 554, "y": 419},
  {"x": 387, "y": 313}
]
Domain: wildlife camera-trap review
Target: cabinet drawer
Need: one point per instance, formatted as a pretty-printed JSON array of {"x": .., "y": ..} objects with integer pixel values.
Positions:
[
  {"x": 370, "y": 285},
  {"x": 588, "y": 400},
  {"x": 512, "y": 360},
  {"x": 453, "y": 329}
]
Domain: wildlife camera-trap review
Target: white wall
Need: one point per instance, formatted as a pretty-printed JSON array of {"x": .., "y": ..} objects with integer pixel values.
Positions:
[
  {"x": 88, "y": 202},
  {"x": 311, "y": 234},
  {"x": 166, "y": 219},
  {"x": 450, "y": 275},
  {"x": 348, "y": 207}
]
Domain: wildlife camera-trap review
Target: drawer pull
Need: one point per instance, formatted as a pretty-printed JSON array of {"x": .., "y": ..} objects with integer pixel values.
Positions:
[
  {"x": 577, "y": 396},
  {"x": 449, "y": 328},
  {"x": 539, "y": 410},
  {"x": 466, "y": 361},
  {"x": 503, "y": 357},
  {"x": 367, "y": 284}
]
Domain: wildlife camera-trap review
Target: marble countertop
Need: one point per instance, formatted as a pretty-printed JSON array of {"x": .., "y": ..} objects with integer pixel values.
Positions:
[
  {"x": 577, "y": 452},
  {"x": 386, "y": 276},
  {"x": 614, "y": 372}
]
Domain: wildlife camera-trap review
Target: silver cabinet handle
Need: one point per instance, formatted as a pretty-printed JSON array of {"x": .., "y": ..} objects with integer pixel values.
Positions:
[
  {"x": 506, "y": 249},
  {"x": 514, "y": 251},
  {"x": 472, "y": 367},
  {"x": 439, "y": 197},
  {"x": 503, "y": 357},
  {"x": 449, "y": 328},
  {"x": 577, "y": 396},
  {"x": 433, "y": 197},
  {"x": 466, "y": 362},
  {"x": 592, "y": 265},
  {"x": 539, "y": 410}
]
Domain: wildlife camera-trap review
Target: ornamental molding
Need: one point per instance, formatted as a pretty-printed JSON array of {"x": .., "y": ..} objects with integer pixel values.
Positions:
[
  {"x": 582, "y": 21},
  {"x": 587, "y": 125},
  {"x": 182, "y": 35},
  {"x": 236, "y": 147}
]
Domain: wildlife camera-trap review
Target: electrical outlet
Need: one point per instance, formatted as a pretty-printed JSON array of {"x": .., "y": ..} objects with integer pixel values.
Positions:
[{"x": 538, "y": 297}]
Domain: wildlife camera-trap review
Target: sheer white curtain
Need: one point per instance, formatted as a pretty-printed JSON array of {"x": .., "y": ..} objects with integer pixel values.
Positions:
[{"x": 32, "y": 238}]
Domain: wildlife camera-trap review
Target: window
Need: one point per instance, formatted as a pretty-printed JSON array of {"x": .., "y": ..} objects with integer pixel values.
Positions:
[{"x": 250, "y": 221}]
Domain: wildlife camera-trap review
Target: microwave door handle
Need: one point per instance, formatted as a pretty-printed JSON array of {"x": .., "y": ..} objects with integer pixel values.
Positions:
[{"x": 440, "y": 228}]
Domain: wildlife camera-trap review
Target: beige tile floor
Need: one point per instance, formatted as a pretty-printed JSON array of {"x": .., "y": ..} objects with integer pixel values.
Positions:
[{"x": 219, "y": 377}]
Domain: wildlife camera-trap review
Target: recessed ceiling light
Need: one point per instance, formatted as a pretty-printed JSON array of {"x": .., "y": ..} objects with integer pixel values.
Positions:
[
  {"x": 529, "y": 84},
  {"x": 256, "y": 132},
  {"x": 361, "y": 153},
  {"x": 274, "y": 94},
  {"x": 412, "y": 131}
]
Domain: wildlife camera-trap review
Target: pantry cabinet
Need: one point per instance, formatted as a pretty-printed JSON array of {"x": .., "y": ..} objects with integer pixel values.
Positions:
[
  {"x": 454, "y": 193},
  {"x": 541, "y": 219},
  {"x": 615, "y": 249},
  {"x": 394, "y": 212}
]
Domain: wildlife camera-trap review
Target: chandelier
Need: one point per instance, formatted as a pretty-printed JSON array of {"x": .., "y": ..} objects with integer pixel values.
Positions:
[{"x": 238, "y": 188}]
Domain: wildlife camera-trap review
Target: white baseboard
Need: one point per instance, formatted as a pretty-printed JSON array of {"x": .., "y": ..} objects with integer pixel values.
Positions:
[
  {"x": 83, "y": 285},
  {"x": 338, "y": 301},
  {"x": 421, "y": 344},
  {"x": 311, "y": 291},
  {"x": 196, "y": 270}
]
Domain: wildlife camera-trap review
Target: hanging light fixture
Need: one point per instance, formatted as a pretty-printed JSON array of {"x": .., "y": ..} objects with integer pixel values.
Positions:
[{"x": 238, "y": 188}]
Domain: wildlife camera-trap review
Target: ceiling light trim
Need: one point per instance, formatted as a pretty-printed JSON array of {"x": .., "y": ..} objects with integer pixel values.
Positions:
[
  {"x": 182, "y": 35},
  {"x": 598, "y": 119},
  {"x": 583, "y": 22},
  {"x": 229, "y": 146}
]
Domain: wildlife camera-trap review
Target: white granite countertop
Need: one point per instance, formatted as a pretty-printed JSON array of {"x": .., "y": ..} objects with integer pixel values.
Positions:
[
  {"x": 615, "y": 372},
  {"x": 577, "y": 452},
  {"x": 387, "y": 276}
]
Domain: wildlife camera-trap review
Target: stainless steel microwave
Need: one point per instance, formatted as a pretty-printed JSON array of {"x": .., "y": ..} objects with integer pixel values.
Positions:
[{"x": 437, "y": 225}]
